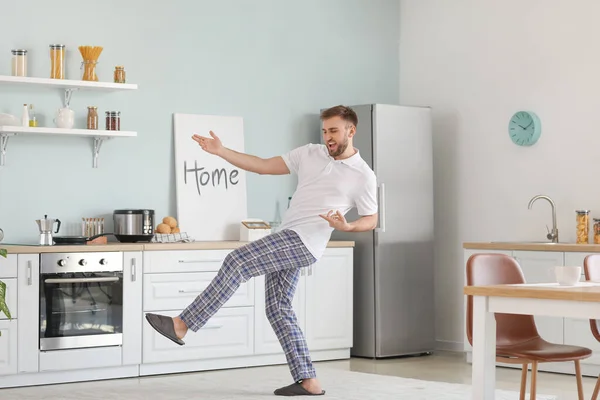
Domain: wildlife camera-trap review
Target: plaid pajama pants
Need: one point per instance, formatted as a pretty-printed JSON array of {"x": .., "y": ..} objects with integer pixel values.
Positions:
[{"x": 279, "y": 257}]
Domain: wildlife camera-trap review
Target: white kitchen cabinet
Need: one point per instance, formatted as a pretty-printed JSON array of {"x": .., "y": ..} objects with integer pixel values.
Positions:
[
  {"x": 8, "y": 347},
  {"x": 265, "y": 340},
  {"x": 323, "y": 305},
  {"x": 8, "y": 266},
  {"x": 538, "y": 267},
  {"x": 132, "y": 308},
  {"x": 29, "y": 312},
  {"x": 229, "y": 333},
  {"x": 329, "y": 301}
]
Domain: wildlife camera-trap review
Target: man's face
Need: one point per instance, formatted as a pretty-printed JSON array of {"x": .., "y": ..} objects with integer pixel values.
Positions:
[{"x": 336, "y": 135}]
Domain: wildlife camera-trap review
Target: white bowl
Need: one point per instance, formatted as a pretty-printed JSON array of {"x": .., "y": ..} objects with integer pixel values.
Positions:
[{"x": 567, "y": 275}]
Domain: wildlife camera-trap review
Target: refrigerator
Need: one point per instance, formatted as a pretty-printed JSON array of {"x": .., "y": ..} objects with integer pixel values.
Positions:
[{"x": 393, "y": 265}]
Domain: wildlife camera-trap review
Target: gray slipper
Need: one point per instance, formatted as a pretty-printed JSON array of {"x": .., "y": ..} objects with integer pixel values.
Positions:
[
  {"x": 295, "y": 389},
  {"x": 164, "y": 326}
]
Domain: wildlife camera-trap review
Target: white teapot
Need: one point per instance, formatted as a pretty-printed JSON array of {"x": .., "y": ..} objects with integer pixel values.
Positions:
[{"x": 65, "y": 118}]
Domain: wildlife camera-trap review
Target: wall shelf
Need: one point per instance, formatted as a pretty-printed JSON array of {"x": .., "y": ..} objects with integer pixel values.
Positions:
[
  {"x": 98, "y": 135},
  {"x": 68, "y": 85}
]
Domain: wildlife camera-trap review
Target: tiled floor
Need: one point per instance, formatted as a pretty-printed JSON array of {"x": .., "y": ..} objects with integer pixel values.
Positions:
[{"x": 452, "y": 367}]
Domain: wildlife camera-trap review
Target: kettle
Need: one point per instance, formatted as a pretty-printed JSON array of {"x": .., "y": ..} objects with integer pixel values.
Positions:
[{"x": 46, "y": 225}]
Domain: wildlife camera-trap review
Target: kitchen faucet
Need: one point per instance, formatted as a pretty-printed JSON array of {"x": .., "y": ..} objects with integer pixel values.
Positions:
[{"x": 554, "y": 234}]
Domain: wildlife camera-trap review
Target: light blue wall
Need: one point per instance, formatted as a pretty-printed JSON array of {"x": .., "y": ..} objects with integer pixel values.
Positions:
[{"x": 274, "y": 62}]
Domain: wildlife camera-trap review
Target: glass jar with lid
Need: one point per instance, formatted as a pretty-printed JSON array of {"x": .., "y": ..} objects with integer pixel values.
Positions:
[
  {"x": 19, "y": 62},
  {"x": 583, "y": 226},
  {"x": 119, "y": 74},
  {"x": 596, "y": 230},
  {"x": 57, "y": 61},
  {"x": 92, "y": 117},
  {"x": 113, "y": 120}
]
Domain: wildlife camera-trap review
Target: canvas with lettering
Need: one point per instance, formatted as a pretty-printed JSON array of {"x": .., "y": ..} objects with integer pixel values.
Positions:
[{"x": 211, "y": 193}]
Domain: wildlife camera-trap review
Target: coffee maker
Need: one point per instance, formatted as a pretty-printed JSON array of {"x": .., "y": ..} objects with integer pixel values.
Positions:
[{"x": 46, "y": 225}]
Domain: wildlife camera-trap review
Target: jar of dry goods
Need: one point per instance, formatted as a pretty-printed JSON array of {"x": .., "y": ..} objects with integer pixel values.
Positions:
[
  {"x": 597, "y": 230},
  {"x": 57, "y": 61},
  {"x": 92, "y": 117},
  {"x": 583, "y": 226},
  {"x": 119, "y": 74},
  {"x": 113, "y": 120},
  {"x": 19, "y": 62}
]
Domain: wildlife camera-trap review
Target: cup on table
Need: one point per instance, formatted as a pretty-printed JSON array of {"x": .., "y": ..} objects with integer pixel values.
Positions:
[{"x": 567, "y": 275}]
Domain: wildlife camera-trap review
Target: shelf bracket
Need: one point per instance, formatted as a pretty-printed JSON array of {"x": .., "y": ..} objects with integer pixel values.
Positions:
[
  {"x": 97, "y": 144},
  {"x": 3, "y": 143},
  {"x": 68, "y": 94}
]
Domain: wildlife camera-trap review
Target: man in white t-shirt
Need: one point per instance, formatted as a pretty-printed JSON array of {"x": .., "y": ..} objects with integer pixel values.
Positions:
[{"x": 332, "y": 179}]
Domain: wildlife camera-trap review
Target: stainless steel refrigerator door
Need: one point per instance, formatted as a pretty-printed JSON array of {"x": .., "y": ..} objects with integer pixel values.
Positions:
[
  {"x": 404, "y": 297},
  {"x": 364, "y": 263}
]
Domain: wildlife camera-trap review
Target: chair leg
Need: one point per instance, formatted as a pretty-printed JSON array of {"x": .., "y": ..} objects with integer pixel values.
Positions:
[
  {"x": 579, "y": 382},
  {"x": 524, "y": 381},
  {"x": 596, "y": 389},
  {"x": 534, "y": 367}
]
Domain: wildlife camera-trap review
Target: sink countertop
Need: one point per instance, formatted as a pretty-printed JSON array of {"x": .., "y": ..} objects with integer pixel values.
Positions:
[
  {"x": 533, "y": 246},
  {"x": 116, "y": 246}
]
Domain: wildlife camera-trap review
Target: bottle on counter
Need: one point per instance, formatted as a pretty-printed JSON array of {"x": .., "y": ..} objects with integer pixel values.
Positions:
[{"x": 583, "y": 226}]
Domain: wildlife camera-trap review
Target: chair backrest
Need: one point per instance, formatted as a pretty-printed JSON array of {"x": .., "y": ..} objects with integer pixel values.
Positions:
[
  {"x": 591, "y": 270},
  {"x": 498, "y": 269}
]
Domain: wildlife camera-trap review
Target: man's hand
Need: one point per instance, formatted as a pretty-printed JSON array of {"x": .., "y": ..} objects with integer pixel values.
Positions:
[
  {"x": 212, "y": 146},
  {"x": 337, "y": 221}
]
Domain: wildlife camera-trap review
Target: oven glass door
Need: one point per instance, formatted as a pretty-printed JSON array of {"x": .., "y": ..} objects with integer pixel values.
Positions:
[{"x": 82, "y": 309}]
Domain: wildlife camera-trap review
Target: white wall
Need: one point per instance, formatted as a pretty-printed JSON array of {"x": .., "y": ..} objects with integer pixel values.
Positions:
[{"x": 477, "y": 62}]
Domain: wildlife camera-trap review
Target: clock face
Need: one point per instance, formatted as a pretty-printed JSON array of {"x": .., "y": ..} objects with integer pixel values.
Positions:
[{"x": 524, "y": 128}]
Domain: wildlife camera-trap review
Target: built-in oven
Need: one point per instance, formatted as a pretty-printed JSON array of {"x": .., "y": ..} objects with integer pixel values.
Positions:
[{"x": 81, "y": 300}]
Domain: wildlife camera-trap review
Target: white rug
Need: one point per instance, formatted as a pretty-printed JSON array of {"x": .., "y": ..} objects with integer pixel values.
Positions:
[{"x": 254, "y": 384}]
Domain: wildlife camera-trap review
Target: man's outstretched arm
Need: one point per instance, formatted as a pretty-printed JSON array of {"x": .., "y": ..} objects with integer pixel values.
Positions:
[{"x": 247, "y": 162}]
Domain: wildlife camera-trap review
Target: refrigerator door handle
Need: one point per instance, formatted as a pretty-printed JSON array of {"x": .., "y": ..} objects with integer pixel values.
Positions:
[{"x": 381, "y": 208}]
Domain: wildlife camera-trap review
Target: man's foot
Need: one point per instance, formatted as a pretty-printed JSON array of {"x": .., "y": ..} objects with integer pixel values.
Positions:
[
  {"x": 180, "y": 327},
  {"x": 307, "y": 387},
  {"x": 168, "y": 327},
  {"x": 312, "y": 385}
]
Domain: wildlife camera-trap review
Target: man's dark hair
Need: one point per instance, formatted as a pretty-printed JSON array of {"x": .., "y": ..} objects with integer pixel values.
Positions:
[{"x": 346, "y": 113}]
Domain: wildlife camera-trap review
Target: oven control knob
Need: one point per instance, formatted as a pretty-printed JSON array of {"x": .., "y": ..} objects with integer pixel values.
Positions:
[
  {"x": 103, "y": 262},
  {"x": 62, "y": 263},
  {"x": 82, "y": 262}
]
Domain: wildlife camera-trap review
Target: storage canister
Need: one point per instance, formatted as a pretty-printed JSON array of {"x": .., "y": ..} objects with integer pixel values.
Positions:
[
  {"x": 57, "y": 61},
  {"x": 19, "y": 62},
  {"x": 583, "y": 226},
  {"x": 113, "y": 120}
]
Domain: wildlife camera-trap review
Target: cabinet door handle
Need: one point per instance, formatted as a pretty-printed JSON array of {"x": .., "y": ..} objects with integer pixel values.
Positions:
[
  {"x": 133, "y": 270},
  {"x": 29, "y": 271}
]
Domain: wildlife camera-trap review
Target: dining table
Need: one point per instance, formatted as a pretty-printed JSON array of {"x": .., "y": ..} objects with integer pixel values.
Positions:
[{"x": 581, "y": 300}]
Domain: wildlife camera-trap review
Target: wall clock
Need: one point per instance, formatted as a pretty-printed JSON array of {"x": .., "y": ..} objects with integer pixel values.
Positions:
[{"x": 524, "y": 128}]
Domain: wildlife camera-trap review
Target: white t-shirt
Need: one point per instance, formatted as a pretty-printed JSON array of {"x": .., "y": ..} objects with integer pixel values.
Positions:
[{"x": 326, "y": 184}]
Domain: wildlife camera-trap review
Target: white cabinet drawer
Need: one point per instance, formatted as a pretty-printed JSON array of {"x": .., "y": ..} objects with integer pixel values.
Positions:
[
  {"x": 11, "y": 298},
  {"x": 184, "y": 260},
  {"x": 177, "y": 291},
  {"x": 229, "y": 333},
  {"x": 8, "y": 266}
]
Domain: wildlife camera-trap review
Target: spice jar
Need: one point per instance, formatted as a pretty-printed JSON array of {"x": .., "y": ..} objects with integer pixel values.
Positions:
[
  {"x": 113, "y": 120},
  {"x": 57, "y": 61},
  {"x": 597, "y": 230},
  {"x": 583, "y": 226},
  {"x": 19, "y": 62},
  {"x": 92, "y": 117},
  {"x": 119, "y": 74}
]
